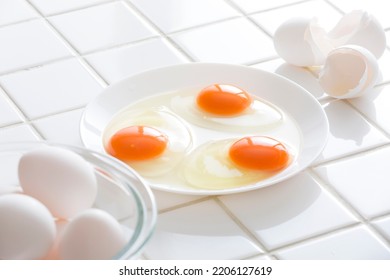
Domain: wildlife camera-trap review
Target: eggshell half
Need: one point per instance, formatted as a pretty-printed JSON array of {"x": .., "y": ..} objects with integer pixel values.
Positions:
[
  {"x": 302, "y": 42},
  {"x": 349, "y": 71},
  {"x": 62, "y": 180},
  {"x": 362, "y": 29}
]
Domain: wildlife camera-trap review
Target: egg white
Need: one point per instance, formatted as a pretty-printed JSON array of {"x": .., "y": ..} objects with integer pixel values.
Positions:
[
  {"x": 209, "y": 167},
  {"x": 162, "y": 119},
  {"x": 260, "y": 116}
]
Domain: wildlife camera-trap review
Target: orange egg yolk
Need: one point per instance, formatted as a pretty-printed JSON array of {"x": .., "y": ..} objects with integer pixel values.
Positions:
[
  {"x": 259, "y": 153},
  {"x": 136, "y": 143},
  {"x": 223, "y": 100}
]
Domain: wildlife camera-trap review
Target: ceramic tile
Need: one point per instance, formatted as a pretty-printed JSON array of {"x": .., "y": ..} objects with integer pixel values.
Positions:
[
  {"x": 352, "y": 135},
  {"x": 363, "y": 181},
  {"x": 383, "y": 225},
  {"x": 375, "y": 7},
  {"x": 355, "y": 244},
  {"x": 327, "y": 16},
  {"x": 51, "y": 88},
  {"x": 289, "y": 211},
  {"x": 119, "y": 63},
  {"x": 100, "y": 27},
  {"x": 167, "y": 200},
  {"x": 375, "y": 106},
  {"x": 48, "y": 7},
  {"x": 299, "y": 75},
  {"x": 384, "y": 65},
  {"x": 28, "y": 44},
  {"x": 232, "y": 41},
  {"x": 7, "y": 113},
  {"x": 178, "y": 15},
  {"x": 15, "y": 10},
  {"x": 200, "y": 231},
  {"x": 261, "y": 258},
  {"x": 250, "y": 6},
  {"x": 17, "y": 134},
  {"x": 62, "y": 128}
]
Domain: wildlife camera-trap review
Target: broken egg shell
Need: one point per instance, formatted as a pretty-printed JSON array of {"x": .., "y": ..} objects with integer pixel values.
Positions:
[
  {"x": 302, "y": 42},
  {"x": 349, "y": 71},
  {"x": 359, "y": 28}
]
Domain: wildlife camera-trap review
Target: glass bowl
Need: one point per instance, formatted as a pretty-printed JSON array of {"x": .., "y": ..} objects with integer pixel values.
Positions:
[{"x": 121, "y": 191}]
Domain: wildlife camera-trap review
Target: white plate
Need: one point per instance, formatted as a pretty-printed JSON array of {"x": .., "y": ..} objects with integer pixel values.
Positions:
[{"x": 288, "y": 96}]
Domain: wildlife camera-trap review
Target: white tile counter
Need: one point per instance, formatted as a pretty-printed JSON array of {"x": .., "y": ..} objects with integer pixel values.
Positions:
[{"x": 57, "y": 55}]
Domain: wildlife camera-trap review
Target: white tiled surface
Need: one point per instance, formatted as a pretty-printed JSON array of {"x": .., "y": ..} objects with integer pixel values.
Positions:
[
  {"x": 57, "y": 55},
  {"x": 28, "y": 44},
  {"x": 101, "y": 27},
  {"x": 12, "y": 11},
  {"x": 179, "y": 15},
  {"x": 118, "y": 63}
]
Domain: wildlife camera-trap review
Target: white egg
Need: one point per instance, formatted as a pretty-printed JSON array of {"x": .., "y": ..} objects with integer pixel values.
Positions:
[
  {"x": 260, "y": 116},
  {"x": 62, "y": 180},
  {"x": 210, "y": 167},
  {"x": 302, "y": 42},
  {"x": 53, "y": 252},
  {"x": 349, "y": 71},
  {"x": 92, "y": 235},
  {"x": 362, "y": 29},
  {"x": 27, "y": 229},
  {"x": 166, "y": 122}
]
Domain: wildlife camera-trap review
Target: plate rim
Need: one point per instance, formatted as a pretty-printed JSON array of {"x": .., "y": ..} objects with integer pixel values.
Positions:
[{"x": 203, "y": 192}]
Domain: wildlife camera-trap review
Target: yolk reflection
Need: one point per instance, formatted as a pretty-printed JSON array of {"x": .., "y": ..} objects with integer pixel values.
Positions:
[
  {"x": 259, "y": 153},
  {"x": 223, "y": 100}
]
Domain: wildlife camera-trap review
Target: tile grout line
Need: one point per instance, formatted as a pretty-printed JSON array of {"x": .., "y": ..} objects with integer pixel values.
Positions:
[
  {"x": 351, "y": 209},
  {"x": 184, "y": 204},
  {"x": 368, "y": 119},
  {"x": 80, "y": 57},
  {"x": 245, "y": 15},
  {"x": 40, "y": 14},
  {"x": 71, "y": 48},
  {"x": 334, "y": 6},
  {"x": 30, "y": 121},
  {"x": 202, "y": 25},
  {"x": 352, "y": 155},
  {"x": 314, "y": 238},
  {"x": 238, "y": 222},
  {"x": 159, "y": 31},
  {"x": 273, "y": 8},
  {"x": 24, "y": 119},
  {"x": 92, "y": 5},
  {"x": 19, "y": 22}
]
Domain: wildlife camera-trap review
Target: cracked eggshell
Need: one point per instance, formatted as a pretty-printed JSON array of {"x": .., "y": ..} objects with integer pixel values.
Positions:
[
  {"x": 302, "y": 42},
  {"x": 349, "y": 71},
  {"x": 359, "y": 28}
]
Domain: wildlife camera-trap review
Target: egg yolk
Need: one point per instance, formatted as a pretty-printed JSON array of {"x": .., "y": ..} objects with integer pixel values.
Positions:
[
  {"x": 136, "y": 143},
  {"x": 223, "y": 100},
  {"x": 259, "y": 153}
]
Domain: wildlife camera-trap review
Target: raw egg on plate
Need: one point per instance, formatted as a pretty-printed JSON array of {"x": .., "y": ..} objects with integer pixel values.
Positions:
[
  {"x": 223, "y": 100},
  {"x": 152, "y": 141},
  {"x": 230, "y": 162},
  {"x": 137, "y": 143},
  {"x": 226, "y": 107}
]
